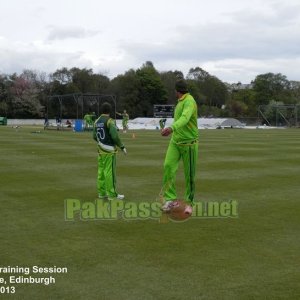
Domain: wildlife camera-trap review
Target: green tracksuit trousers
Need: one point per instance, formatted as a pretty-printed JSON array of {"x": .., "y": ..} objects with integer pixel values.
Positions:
[
  {"x": 106, "y": 182},
  {"x": 189, "y": 154}
]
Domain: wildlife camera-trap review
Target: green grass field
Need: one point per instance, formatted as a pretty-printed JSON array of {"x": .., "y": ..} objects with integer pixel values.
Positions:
[{"x": 254, "y": 256}]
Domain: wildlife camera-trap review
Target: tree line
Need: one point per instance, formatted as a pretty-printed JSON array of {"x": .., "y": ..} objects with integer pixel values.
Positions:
[{"x": 25, "y": 95}]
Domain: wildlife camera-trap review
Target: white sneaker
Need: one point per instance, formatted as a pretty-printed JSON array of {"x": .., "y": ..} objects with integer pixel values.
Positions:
[
  {"x": 166, "y": 207},
  {"x": 119, "y": 197}
]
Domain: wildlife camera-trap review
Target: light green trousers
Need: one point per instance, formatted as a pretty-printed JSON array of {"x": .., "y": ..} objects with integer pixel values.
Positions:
[
  {"x": 189, "y": 154},
  {"x": 106, "y": 181}
]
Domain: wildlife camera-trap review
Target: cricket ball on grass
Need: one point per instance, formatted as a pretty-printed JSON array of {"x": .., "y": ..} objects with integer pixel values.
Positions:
[{"x": 180, "y": 210}]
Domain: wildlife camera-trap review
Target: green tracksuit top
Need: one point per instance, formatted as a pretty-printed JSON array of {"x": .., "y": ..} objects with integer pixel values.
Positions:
[
  {"x": 106, "y": 134},
  {"x": 185, "y": 127},
  {"x": 125, "y": 117}
]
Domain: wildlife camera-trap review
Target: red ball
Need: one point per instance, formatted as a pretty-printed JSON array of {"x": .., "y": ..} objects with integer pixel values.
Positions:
[{"x": 180, "y": 210}]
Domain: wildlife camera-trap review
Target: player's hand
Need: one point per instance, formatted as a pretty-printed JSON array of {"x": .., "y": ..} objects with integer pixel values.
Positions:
[
  {"x": 124, "y": 150},
  {"x": 166, "y": 131}
]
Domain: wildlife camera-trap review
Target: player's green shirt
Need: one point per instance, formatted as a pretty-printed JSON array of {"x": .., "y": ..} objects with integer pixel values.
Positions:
[
  {"x": 106, "y": 134},
  {"x": 125, "y": 117},
  {"x": 185, "y": 127},
  {"x": 88, "y": 119}
]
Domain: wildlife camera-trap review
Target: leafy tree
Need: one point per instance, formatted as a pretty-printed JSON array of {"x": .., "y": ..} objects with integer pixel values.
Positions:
[
  {"x": 88, "y": 82},
  {"x": 61, "y": 82},
  {"x": 271, "y": 86},
  {"x": 196, "y": 92},
  {"x": 82, "y": 79},
  {"x": 77, "y": 80},
  {"x": 40, "y": 82},
  {"x": 137, "y": 90},
  {"x": 3, "y": 95},
  {"x": 151, "y": 88},
  {"x": 24, "y": 98},
  {"x": 237, "y": 108},
  {"x": 62, "y": 76},
  {"x": 295, "y": 92},
  {"x": 271, "y": 113},
  {"x": 126, "y": 89},
  {"x": 101, "y": 83},
  {"x": 168, "y": 80},
  {"x": 206, "y": 111},
  {"x": 246, "y": 97},
  {"x": 198, "y": 74},
  {"x": 214, "y": 91}
]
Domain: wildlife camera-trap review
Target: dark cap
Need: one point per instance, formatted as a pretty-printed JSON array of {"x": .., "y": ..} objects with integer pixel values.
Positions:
[
  {"x": 181, "y": 86},
  {"x": 106, "y": 108}
]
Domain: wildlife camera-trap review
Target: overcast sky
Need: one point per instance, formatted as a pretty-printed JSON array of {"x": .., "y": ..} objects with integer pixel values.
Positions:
[{"x": 234, "y": 40}]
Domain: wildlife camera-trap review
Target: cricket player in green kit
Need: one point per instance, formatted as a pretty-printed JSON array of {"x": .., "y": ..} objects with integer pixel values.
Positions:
[
  {"x": 183, "y": 145},
  {"x": 106, "y": 135},
  {"x": 124, "y": 120}
]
